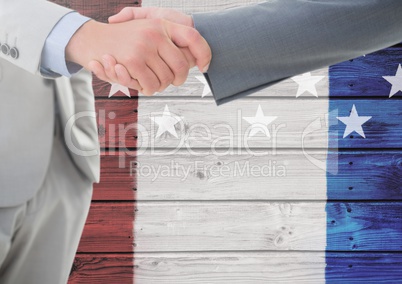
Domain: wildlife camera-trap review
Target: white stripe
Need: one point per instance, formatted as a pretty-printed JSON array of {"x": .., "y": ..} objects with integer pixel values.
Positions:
[{"x": 190, "y": 203}]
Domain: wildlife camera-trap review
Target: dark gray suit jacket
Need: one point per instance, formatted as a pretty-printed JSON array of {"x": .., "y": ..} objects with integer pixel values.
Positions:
[{"x": 256, "y": 46}]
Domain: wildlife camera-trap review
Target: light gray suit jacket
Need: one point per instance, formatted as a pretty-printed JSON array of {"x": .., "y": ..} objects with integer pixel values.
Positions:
[
  {"x": 27, "y": 104},
  {"x": 256, "y": 46}
]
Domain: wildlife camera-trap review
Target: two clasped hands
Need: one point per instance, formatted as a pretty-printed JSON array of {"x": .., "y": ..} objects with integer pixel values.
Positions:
[{"x": 146, "y": 49}]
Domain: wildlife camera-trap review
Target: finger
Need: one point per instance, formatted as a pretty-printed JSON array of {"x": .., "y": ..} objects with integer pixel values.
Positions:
[
  {"x": 124, "y": 78},
  {"x": 109, "y": 63},
  {"x": 176, "y": 61},
  {"x": 190, "y": 58},
  {"x": 162, "y": 71},
  {"x": 184, "y": 36},
  {"x": 97, "y": 68},
  {"x": 128, "y": 14},
  {"x": 148, "y": 81}
]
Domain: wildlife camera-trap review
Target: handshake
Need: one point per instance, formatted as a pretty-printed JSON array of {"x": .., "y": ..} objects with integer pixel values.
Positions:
[{"x": 146, "y": 49}]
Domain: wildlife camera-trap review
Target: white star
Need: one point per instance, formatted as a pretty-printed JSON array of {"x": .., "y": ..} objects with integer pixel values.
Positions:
[
  {"x": 116, "y": 88},
  {"x": 259, "y": 123},
  {"x": 207, "y": 89},
  {"x": 354, "y": 122},
  {"x": 396, "y": 81},
  {"x": 307, "y": 83},
  {"x": 166, "y": 122}
]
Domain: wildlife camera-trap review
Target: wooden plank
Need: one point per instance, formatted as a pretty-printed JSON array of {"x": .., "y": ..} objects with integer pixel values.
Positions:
[
  {"x": 102, "y": 268},
  {"x": 313, "y": 226},
  {"x": 223, "y": 226},
  {"x": 374, "y": 175},
  {"x": 267, "y": 267},
  {"x": 195, "y": 86},
  {"x": 117, "y": 123},
  {"x": 229, "y": 267},
  {"x": 205, "y": 125},
  {"x": 197, "y": 176},
  {"x": 97, "y": 10},
  {"x": 109, "y": 228},
  {"x": 364, "y": 226},
  {"x": 200, "y": 124},
  {"x": 383, "y": 130},
  {"x": 117, "y": 182},
  {"x": 237, "y": 267},
  {"x": 363, "y": 76},
  {"x": 102, "y": 89},
  {"x": 356, "y": 268},
  {"x": 283, "y": 175}
]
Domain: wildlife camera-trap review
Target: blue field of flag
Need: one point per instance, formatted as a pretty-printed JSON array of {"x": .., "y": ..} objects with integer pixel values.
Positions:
[{"x": 364, "y": 208}]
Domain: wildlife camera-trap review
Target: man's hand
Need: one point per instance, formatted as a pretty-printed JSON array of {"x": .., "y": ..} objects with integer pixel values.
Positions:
[{"x": 153, "y": 53}]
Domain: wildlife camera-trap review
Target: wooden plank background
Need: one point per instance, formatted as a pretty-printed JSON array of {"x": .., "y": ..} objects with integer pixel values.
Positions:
[{"x": 207, "y": 229}]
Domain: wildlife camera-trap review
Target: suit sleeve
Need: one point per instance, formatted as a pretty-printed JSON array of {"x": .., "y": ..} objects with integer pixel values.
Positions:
[
  {"x": 256, "y": 46},
  {"x": 25, "y": 25}
]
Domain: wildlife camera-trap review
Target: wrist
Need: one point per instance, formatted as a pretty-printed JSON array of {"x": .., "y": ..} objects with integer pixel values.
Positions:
[{"x": 81, "y": 47}]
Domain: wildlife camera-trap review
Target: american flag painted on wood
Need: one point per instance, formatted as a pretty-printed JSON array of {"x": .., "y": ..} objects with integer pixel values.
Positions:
[{"x": 300, "y": 182}]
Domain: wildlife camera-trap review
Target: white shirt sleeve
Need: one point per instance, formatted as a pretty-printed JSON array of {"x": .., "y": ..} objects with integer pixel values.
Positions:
[{"x": 53, "y": 54}]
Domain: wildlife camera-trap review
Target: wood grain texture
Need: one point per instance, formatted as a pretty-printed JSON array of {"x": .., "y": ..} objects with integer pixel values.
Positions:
[
  {"x": 117, "y": 123},
  {"x": 204, "y": 125},
  {"x": 383, "y": 130},
  {"x": 259, "y": 225},
  {"x": 235, "y": 267},
  {"x": 373, "y": 175},
  {"x": 315, "y": 226},
  {"x": 109, "y": 228},
  {"x": 280, "y": 175},
  {"x": 102, "y": 90},
  {"x": 363, "y": 76},
  {"x": 193, "y": 87},
  {"x": 117, "y": 182},
  {"x": 267, "y": 267},
  {"x": 102, "y": 268},
  {"x": 97, "y": 10}
]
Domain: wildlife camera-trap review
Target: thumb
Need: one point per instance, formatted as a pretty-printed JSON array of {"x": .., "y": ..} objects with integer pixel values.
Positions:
[
  {"x": 128, "y": 14},
  {"x": 190, "y": 38}
]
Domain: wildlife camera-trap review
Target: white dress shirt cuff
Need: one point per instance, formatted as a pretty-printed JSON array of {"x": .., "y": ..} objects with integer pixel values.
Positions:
[{"x": 53, "y": 61}]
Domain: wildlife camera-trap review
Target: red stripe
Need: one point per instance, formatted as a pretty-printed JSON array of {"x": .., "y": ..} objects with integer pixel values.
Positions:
[{"x": 102, "y": 258}]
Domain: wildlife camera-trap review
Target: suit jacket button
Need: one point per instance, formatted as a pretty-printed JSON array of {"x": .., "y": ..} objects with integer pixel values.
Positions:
[
  {"x": 14, "y": 53},
  {"x": 5, "y": 49}
]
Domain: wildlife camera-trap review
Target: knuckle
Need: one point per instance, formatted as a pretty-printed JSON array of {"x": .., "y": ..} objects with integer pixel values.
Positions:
[
  {"x": 181, "y": 68},
  {"x": 193, "y": 34},
  {"x": 166, "y": 80},
  {"x": 157, "y": 24},
  {"x": 135, "y": 63},
  {"x": 153, "y": 86}
]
